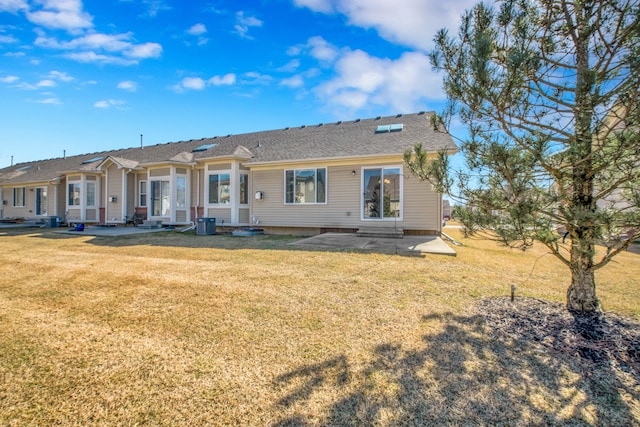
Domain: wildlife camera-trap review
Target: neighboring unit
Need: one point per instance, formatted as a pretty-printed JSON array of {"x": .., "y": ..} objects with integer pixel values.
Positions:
[{"x": 340, "y": 176}]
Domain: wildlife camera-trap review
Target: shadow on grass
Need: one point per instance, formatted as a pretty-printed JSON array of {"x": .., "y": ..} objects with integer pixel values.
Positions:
[
  {"x": 459, "y": 376},
  {"x": 222, "y": 240}
]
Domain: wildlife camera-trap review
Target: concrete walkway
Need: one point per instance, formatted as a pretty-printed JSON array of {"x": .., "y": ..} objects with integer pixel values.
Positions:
[{"x": 414, "y": 245}]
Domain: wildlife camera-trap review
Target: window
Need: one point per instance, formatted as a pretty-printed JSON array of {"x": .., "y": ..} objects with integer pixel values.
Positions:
[
  {"x": 382, "y": 193},
  {"x": 219, "y": 188},
  {"x": 73, "y": 194},
  {"x": 303, "y": 186},
  {"x": 91, "y": 193},
  {"x": 18, "y": 197},
  {"x": 142, "y": 193},
  {"x": 181, "y": 192},
  {"x": 244, "y": 189}
]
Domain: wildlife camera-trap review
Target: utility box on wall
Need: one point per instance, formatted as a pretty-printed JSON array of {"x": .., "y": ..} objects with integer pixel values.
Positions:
[{"x": 205, "y": 226}]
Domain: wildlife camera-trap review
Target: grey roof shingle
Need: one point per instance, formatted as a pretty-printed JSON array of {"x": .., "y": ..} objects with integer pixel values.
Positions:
[{"x": 323, "y": 141}]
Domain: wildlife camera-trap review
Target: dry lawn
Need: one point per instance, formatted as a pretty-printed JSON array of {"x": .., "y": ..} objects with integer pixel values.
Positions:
[{"x": 178, "y": 329}]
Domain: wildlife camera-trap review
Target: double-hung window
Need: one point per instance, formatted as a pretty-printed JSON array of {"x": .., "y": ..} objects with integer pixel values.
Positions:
[
  {"x": 142, "y": 192},
  {"x": 18, "y": 197},
  {"x": 305, "y": 186},
  {"x": 73, "y": 194},
  {"x": 91, "y": 194},
  {"x": 220, "y": 188},
  {"x": 244, "y": 189}
]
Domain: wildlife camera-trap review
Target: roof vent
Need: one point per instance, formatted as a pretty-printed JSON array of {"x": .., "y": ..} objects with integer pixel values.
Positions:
[
  {"x": 339, "y": 123},
  {"x": 203, "y": 147}
]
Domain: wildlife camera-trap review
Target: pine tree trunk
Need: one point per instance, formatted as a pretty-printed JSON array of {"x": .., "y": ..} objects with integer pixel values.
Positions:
[{"x": 581, "y": 295}]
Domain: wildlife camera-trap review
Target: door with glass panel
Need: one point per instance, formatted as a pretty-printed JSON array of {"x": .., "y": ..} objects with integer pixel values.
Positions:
[
  {"x": 160, "y": 201},
  {"x": 381, "y": 193},
  {"x": 41, "y": 201}
]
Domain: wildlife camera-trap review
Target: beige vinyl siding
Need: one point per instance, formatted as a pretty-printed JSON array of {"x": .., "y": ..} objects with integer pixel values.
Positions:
[
  {"x": 344, "y": 197},
  {"x": 162, "y": 172},
  {"x": 219, "y": 167},
  {"x": 114, "y": 188},
  {"x": 422, "y": 206},
  {"x": 8, "y": 210},
  {"x": 340, "y": 211},
  {"x": 245, "y": 216},
  {"x": 181, "y": 216},
  {"x": 92, "y": 214},
  {"x": 74, "y": 215},
  {"x": 220, "y": 215}
]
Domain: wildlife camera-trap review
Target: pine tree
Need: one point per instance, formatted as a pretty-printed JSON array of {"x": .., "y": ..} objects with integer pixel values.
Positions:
[{"x": 547, "y": 92}]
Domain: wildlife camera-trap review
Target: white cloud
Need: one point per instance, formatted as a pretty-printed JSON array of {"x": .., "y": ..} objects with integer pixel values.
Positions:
[
  {"x": 322, "y": 50},
  {"x": 108, "y": 103},
  {"x": 291, "y": 66},
  {"x": 15, "y": 54},
  {"x": 89, "y": 45},
  {"x": 408, "y": 22},
  {"x": 47, "y": 83},
  {"x": 61, "y": 15},
  {"x": 363, "y": 80},
  {"x": 58, "y": 75},
  {"x": 227, "y": 79},
  {"x": 128, "y": 85},
  {"x": 197, "y": 29},
  {"x": 7, "y": 39},
  {"x": 243, "y": 23},
  {"x": 293, "y": 82},
  {"x": 9, "y": 79},
  {"x": 51, "y": 100},
  {"x": 254, "y": 78},
  {"x": 197, "y": 83},
  {"x": 145, "y": 50},
  {"x": 12, "y": 6},
  {"x": 324, "y": 6}
]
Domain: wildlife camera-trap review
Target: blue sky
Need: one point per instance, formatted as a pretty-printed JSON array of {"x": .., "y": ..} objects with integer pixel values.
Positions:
[{"x": 87, "y": 76}]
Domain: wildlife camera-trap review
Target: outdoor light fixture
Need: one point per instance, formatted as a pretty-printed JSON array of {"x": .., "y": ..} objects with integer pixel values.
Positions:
[{"x": 353, "y": 172}]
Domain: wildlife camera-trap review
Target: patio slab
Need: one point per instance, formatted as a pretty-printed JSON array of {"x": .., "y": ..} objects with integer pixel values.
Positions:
[{"x": 415, "y": 245}]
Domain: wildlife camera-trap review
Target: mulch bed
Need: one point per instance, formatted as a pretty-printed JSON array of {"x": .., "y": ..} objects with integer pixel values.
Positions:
[{"x": 608, "y": 340}]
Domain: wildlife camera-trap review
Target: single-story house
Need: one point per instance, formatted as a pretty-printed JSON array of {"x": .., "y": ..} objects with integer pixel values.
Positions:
[{"x": 328, "y": 177}]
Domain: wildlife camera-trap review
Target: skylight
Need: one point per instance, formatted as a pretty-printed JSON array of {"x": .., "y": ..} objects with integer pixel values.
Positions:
[
  {"x": 397, "y": 127},
  {"x": 203, "y": 147},
  {"x": 24, "y": 168},
  {"x": 95, "y": 159}
]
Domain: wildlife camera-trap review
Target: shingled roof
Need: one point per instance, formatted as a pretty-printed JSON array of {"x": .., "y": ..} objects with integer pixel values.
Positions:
[{"x": 358, "y": 138}]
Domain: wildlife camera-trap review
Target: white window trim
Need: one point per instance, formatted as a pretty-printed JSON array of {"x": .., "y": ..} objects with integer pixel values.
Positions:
[
  {"x": 80, "y": 203},
  {"x": 140, "y": 193},
  {"x": 207, "y": 184},
  {"x": 24, "y": 197},
  {"x": 326, "y": 186},
  {"x": 362, "y": 194}
]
